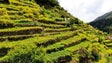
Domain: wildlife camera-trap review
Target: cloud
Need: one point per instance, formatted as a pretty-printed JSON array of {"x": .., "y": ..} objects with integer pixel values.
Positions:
[
  {"x": 87, "y": 10},
  {"x": 106, "y": 7}
]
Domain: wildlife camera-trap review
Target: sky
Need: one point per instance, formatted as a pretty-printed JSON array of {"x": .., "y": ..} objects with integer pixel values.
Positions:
[{"x": 87, "y": 10}]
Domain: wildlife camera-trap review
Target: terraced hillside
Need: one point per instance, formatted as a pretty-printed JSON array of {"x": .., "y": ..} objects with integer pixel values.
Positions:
[{"x": 44, "y": 37}]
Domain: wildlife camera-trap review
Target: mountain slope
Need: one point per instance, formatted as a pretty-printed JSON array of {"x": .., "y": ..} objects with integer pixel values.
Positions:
[
  {"x": 26, "y": 11},
  {"x": 105, "y": 16},
  {"x": 104, "y": 22},
  {"x": 33, "y": 31}
]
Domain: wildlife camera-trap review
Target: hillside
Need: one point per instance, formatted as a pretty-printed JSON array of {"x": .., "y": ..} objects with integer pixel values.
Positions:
[
  {"x": 105, "y": 16},
  {"x": 40, "y": 31},
  {"x": 103, "y": 23}
]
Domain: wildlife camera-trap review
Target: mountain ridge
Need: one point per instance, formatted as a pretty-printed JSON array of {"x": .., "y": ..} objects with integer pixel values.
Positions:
[
  {"x": 103, "y": 22},
  {"x": 105, "y": 16}
]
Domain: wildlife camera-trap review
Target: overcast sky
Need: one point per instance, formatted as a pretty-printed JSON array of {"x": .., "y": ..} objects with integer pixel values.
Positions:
[{"x": 87, "y": 10}]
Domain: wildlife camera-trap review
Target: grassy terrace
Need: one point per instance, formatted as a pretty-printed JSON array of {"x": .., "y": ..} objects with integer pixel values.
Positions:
[
  {"x": 58, "y": 52},
  {"x": 18, "y": 28},
  {"x": 65, "y": 43},
  {"x": 108, "y": 43},
  {"x": 43, "y": 39},
  {"x": 49, "y": 40},
  {"x": 53, "y": 22},
  {"x": 62, "y": 42},
  {"x": 50, "y": 25},
  {"x": 66, "y": 53},
  {"x": 57, "y": 56},
  {"x": 40, "y": 24},
  {"x": 16, "y": 37},
  {"x": 22, "y": 37},
  {"x": 57, "y": 30},
  {"x": 20, "y": 31}
]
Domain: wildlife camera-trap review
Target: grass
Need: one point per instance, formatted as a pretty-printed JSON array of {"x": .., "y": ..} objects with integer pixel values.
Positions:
[
  {"x": 65, "y": 43},
  {"x": 18, "y": 28},
  {"x": 15, "y": 38},
  {"x": 57, "y": 30}
]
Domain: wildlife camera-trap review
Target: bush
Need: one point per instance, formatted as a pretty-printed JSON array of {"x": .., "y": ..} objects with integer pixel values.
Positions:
[
  {"x": 26, "y": 54},
  {"x": 85, "y": 56},
  {"x": 3, "y": 11},
  {"x": 50, "y": 3},
  {"x": 89, "y": 54},
  {"x": 95, "y": 53},
  {"x": 75, "y": 21},
  {"x": 4, "y": 1}
]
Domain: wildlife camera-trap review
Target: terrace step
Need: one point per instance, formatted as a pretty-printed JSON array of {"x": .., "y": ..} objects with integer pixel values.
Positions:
[
  {"x": 65, "y": 44},
  {"x": 23, "y": 37},
  {"x": 41, "y": 25},
  {"x": 15, "y": 38},
  {"x": 53, "y": 40},
  {"x": 109, "y": 45},
  {"x": 6, "y": 25},
  {"x": 57, "y": 30},
  {"x": 60, "y": 56},
  {"x": 55, "y": 22},
  {"x": 20, "y": 31}
]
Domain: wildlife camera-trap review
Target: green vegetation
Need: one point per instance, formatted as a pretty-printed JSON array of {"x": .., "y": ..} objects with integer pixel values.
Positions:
[{"x": 35, "y": 31}]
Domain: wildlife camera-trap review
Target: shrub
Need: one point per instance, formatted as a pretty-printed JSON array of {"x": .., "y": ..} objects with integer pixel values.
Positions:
[
  {"x": 95, "y": 54},
  {"x": 27, "y": 53},
  {"x": 4, "y": 1},
  {"x": 75, "y": 21},
  {"x": 3, "y": 11},
  {"x": 89, "y": 54},
  {"x": 48, "y": 3},
  {"x": 85, "y": 56}
]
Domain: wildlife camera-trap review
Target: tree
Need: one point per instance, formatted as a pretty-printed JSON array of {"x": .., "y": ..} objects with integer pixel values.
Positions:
[
  {"x": 4, "y": 1},
  {"x": 47, "y": 3}
]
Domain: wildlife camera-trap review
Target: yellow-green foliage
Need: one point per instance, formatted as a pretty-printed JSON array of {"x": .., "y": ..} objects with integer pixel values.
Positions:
[
  {"x": 20, "y": 10},
  {"x": 3, "y": 11},
  {"x": 29, "y": 9}
]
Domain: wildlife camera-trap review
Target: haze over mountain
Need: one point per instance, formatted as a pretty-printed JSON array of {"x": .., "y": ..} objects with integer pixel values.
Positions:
[{"x": 105, "y": 16}]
